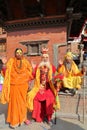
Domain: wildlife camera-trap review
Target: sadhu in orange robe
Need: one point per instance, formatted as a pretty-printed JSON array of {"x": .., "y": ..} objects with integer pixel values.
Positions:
[{"x": 15, "y": 90}]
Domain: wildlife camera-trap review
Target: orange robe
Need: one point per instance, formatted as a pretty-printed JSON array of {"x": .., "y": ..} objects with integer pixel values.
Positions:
[{"x": 15, "y": 90}]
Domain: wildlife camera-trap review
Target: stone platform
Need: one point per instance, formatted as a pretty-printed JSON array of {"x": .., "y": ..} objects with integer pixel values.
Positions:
[{"x": 73, "y": 106}]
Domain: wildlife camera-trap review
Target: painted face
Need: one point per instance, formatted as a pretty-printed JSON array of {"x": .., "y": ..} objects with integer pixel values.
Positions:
[
  {"x": 45, "y": 58},
  {"x": 19, "y": 54}
]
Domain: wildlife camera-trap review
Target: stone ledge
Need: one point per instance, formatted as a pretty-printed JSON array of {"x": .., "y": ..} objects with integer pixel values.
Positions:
[{"x": 73, "y": 106}]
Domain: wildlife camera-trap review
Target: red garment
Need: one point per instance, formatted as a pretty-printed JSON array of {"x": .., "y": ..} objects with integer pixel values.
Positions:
[
  {"x": 3, "y": 70},
  {"x": 35, "y": 69},
  {"x": 53, "y": 68},
  {"x": 44, "y": 100},
  {"x": 43, "y": 105}
]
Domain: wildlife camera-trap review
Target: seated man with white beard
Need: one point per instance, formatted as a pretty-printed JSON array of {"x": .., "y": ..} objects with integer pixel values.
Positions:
[
  {"x": 41, "y": 98},
  {"x": 72, "y": 75},
  {"x": 44, "y": 61}
]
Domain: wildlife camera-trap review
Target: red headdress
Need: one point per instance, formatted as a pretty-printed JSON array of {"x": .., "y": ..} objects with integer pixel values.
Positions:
[{"x": 45, "y": 51}]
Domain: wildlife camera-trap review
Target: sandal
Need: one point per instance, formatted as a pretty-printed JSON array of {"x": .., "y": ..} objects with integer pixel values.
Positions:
[{"x": 27, "y": 122}]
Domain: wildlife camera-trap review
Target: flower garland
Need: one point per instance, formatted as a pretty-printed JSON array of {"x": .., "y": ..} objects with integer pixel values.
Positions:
[
  {"x": 58, "y": 77},
  {"x": 18, "y": 65}
]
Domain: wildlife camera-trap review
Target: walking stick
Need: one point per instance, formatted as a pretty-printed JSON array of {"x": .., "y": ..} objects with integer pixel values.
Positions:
[
  {"x": 57, "y": 106},
  {"x": 55, "y": 119}
]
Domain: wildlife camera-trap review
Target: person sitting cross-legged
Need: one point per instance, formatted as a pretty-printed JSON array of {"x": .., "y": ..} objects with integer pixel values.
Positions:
[
  {"x": 41, "y": 98},
  {"x": 72, "y": 75}
]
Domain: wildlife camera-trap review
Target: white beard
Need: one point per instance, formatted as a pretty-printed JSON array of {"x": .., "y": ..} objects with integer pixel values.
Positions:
[{"x": 45, "y": 63}]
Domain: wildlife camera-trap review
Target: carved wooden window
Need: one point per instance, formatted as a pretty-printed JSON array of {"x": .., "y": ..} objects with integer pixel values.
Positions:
[
  {"x": 2, "y": 45},
  {"x": 34, "y": 47}
]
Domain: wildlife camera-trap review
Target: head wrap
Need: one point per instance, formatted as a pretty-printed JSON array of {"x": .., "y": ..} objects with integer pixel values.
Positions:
[
  {"x": 68, "y": 55},
  {"x": 45, "y": 52}
]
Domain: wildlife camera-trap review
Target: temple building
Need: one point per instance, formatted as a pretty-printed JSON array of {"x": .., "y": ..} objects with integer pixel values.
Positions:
[
  {"x": 59, "y": 25},
  {"x": 31, "y": 24}
]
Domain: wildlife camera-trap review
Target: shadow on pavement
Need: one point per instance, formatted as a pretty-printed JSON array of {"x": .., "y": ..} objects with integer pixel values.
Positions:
[
  {"x": 65, "y": 125},
  {"x": 61, "y": 124},
  {"x": 3, "y": 111}
]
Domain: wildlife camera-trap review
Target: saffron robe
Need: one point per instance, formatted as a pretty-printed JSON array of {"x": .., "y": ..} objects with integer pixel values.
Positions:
[
  {"x": 72, "y": 77},
  {"x": 14, "y": 90}
]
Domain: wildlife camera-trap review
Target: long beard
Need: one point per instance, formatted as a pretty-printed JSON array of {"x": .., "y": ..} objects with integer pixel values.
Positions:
[
  {"x": 68, "y": 65},
  {"x": 45, "y": 63}
]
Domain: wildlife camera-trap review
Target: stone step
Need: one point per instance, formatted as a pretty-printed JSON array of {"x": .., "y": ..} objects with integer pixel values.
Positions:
[{"x": 73, "y": 106}]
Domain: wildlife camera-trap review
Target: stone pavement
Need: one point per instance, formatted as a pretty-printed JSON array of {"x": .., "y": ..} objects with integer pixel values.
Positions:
[{"x": 62, "y": 123}]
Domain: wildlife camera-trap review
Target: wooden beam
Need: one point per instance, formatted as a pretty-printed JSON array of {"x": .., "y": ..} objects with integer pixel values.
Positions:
[
  {"x": 22, "y": 8},
  {"x": 70, "y": 17}
]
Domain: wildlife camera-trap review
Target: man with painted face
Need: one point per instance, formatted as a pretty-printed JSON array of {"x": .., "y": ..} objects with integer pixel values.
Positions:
[{"x": 15, "y": 87}]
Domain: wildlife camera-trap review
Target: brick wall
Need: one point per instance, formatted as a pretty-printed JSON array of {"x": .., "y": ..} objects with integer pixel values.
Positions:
[{"x": 56, "y": 35}]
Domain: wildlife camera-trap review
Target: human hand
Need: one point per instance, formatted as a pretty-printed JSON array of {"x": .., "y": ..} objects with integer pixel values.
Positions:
[
  {"x": 60, "y": 62},
  {"x": 4, "y": 60},
  {"x": 33, "y": 64}
]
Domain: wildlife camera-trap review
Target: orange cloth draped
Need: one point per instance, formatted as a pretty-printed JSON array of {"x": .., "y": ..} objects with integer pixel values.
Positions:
[
  {"x": 31, "y": 95},
  {"x": 72, "y": 78},
  {"x": 15, "y": 90},
  {"x": 73, "y": 72},
  {"x": 17, "y": 104}
]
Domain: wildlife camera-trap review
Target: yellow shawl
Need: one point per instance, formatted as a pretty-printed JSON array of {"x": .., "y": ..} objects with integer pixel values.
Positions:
[
  {"x": 6, "y": 86},
  {"x": 31, "y": 94}
]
